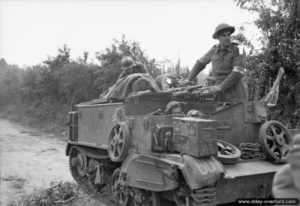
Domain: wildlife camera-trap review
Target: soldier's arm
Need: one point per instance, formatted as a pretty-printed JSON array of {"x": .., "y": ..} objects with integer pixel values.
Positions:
[
  {"x": 200, "y": 65},
  {"x": 237, "y": 71}
]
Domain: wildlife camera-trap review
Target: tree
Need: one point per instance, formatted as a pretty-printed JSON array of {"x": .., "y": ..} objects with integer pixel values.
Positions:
[
  {"x": 279, "y": 23},
  {"x": 63, "y": 57},
  {"x": 46, "y": 91},
  {"x": 110, "y": 60},
  {"x": 10, "y": 79}
]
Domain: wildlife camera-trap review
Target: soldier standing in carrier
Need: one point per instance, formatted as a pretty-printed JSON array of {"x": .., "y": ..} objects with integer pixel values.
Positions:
[{"x": 227, "y": 66}]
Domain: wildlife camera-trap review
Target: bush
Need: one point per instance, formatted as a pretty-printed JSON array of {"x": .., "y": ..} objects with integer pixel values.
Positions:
[{"x": 43, "y": 94}]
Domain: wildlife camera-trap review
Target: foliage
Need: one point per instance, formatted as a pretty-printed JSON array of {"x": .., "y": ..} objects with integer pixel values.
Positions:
[
  {"x": 46, "y": 91},
  {"x": 62, "y": 193},
  {"x": 279, "y": 23},
  {"x": 111, "y": 58},
  {"x": 10, "y": 80}
]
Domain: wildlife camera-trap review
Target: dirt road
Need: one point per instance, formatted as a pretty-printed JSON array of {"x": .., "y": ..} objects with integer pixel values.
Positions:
[{"x": 29, "y": 160}]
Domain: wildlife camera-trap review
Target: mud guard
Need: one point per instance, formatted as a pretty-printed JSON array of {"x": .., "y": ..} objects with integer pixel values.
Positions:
[
  {"x": 88, "y": 151},
  {"x": 201, "y": 172},
  {"x": 68, "y": 148},
  {"x": 160, "y": 173},
  {"x": 150, "y": 172}
]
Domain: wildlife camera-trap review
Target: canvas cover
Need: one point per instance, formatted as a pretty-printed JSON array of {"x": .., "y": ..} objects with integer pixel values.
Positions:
[{"x": 123, "y": 87}]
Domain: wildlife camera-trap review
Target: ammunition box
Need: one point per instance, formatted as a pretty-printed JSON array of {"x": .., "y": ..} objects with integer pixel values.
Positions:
[{"x": 195, "y": 136}]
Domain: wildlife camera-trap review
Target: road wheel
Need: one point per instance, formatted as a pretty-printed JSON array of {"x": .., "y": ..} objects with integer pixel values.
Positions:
[
  {"x": 78, "y": 164},
  {"x": 227, "y": 153},
  {"x": 145, "y": 198},
  {"x": 118, "y": 143},
  {"x": 275, "y": 140},
  {"x": 119, "y": 191}
]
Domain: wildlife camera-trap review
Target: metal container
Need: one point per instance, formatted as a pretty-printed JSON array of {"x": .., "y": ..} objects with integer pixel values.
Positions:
[
  {"x": 73, "y": 125},
  {"x": 195, "y": 136}
]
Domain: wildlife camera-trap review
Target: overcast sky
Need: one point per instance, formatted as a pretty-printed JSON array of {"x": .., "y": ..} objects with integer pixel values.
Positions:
[{"x": 31, "y": 30}]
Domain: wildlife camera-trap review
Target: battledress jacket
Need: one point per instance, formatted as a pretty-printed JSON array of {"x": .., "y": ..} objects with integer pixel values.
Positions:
[{"x": 224, "y": 61}]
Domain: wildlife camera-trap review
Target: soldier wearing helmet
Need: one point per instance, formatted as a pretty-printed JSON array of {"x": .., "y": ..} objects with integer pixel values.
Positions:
[
  {"x": 195, "y": 113},
  {"x": 174, "y": 108},
  {"x": 227, "y": 66},
  {"x": 167, "y": 81},
  {"x": 130, "y": 67}
]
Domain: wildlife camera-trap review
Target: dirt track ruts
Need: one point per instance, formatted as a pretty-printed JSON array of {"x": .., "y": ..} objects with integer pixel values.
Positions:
[{"x": 31, "y": 157}]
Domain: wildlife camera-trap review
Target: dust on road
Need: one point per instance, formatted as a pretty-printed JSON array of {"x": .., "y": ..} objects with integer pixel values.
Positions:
[{"x": 29, "y": 160}]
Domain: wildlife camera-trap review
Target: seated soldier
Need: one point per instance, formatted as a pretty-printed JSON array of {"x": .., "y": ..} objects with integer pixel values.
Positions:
[
  {"x": 174, "y": 108},
  {"x": 140, "y": 86},
  {"x": 165, "y": 81},
  {"x": 129, "y": 67}
]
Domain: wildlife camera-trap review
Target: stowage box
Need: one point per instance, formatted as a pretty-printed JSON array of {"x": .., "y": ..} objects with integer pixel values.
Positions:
[
  {"x": 73, "y": 125},
  {"x": 195, "y": 136}
]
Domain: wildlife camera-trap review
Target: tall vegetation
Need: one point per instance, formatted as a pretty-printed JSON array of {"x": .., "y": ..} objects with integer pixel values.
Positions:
[
  {"x": 10, "y": 81},
  {"x": 46, "y": 91},
  {"x": 279, "y": 23}
]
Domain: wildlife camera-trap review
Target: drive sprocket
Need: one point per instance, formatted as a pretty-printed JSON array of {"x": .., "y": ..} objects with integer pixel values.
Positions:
[{"x": 78, "y": 164}]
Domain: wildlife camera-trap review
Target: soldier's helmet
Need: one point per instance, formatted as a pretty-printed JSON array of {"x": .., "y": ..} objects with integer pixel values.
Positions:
[
  {"x": 221, "y": 28},
  {"x": 126, "y": 62},
  {"x": 195, "y": 113}
]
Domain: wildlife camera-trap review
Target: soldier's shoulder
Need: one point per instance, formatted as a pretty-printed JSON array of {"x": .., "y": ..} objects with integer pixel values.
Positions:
[{"x": 214, "y": 48}]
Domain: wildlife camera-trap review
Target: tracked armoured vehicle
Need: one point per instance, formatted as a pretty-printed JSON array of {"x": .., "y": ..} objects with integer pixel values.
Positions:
[{"x": 130, "y": 150}]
